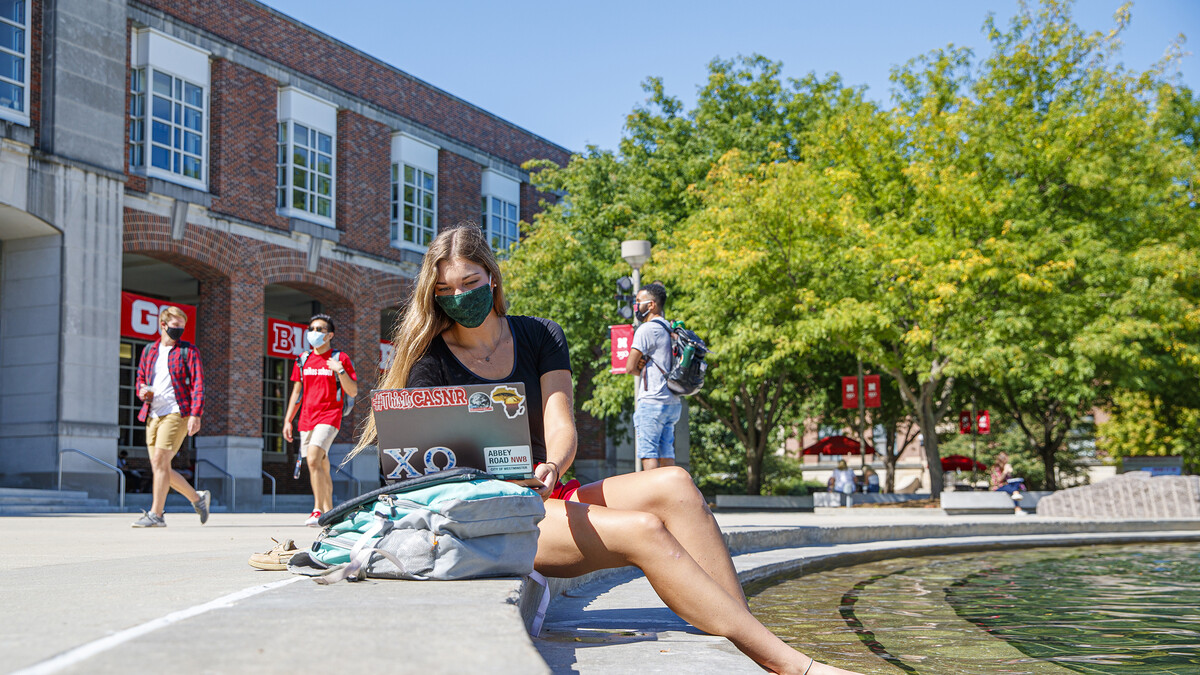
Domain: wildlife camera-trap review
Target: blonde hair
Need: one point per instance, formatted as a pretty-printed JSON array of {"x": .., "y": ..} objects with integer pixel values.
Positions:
[
  {"x": 423, "y": 318},
  {"x": 170, "y": 312}
]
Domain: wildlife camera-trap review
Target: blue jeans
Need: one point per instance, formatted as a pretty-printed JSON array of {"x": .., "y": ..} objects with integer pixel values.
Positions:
[{"x": 654, "y": 429}]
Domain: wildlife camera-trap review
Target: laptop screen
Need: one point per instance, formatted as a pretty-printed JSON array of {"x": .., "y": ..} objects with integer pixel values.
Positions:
[{"x": 431, "y": 429}]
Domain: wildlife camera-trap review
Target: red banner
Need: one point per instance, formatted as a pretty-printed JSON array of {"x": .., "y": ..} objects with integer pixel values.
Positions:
[
  {"x": 964, "y": 422},
  {"x": 984, "y": 422},
  {"x": 139, "y": 317},
  {"x": 622, "y": 342},
  {"x": 285, "y": 340},
  {"x": 871, "y": 392},
  {"x": 850, "y": 392}
]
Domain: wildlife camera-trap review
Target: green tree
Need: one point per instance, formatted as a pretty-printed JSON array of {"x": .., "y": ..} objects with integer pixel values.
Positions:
[{"x": 567, "y": 264}]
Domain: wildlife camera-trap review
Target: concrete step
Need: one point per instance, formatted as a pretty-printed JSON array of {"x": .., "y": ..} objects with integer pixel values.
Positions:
[
  {"x": 31, "y": 492},
  {"x": 44, "y": 509},
  {"x": 51, "y": 501}
]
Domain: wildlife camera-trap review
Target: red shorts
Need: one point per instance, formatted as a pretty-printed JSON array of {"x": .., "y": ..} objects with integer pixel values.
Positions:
[{"x": 564, "y": 491}]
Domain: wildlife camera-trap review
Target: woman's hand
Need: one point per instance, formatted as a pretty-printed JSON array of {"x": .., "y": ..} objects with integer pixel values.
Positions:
[{"x": 547, "y": 473}]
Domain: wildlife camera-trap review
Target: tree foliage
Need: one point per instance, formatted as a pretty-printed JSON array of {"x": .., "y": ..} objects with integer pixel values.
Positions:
[{"x": 1024, "y": 224}]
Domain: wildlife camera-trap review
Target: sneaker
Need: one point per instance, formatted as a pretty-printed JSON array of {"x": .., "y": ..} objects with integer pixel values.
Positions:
[
  {"x": 201, "y": 505},
  {"x": 150, "y": 520},
  {"x": 313, "y": 518},
  {"x": 277, "y": 558}
]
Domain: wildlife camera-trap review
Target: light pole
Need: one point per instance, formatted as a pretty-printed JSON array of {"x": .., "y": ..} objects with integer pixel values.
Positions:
[{"x": 636, "y": 252}]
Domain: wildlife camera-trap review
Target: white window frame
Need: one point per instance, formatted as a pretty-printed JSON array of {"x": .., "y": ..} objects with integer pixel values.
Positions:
[
  {"x": 154, "y": 54},
  {"x": 502, "y": 193},
  {"x": 421, "y": 157},
  {"x": 12, "y": 114},
  {"x": 299, "y": 108}
]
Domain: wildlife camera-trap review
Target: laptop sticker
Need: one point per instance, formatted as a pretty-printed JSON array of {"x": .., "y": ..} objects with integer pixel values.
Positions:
[{"x": 514, "y": 403}]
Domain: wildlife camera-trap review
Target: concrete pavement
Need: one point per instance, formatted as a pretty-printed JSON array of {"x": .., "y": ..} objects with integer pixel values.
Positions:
[{"x": 90, "y": 594}]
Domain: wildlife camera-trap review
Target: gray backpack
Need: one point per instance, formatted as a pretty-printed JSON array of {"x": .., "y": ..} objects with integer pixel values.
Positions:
[{"x": 456, "y": 524}]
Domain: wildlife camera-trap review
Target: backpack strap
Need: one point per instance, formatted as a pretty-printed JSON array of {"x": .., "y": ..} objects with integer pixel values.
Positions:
[{"x": 649, "y": 359}]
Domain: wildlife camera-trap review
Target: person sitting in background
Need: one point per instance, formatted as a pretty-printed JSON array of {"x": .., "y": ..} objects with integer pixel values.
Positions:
[
  {"x": 1001, "y": 471},
  {"x": 843, "y": 478},
  {"x": 870, "y": 480}
]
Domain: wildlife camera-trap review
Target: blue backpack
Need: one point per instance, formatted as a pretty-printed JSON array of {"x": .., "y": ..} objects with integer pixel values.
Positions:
[{"x": 456, "y": 524}]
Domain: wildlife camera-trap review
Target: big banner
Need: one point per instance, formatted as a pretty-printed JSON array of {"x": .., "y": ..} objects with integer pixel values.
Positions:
[{"x": 139, "y": 317}]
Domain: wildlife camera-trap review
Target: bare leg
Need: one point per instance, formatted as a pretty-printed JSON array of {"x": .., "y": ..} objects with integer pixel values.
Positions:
[
  {"x": 319, "y": 478},
  {"x": 670, "y": 495},
  {"x": 653, "y": 463},
  {"x": 579, "y": 538},
  {"x": 166, "y": 478}
]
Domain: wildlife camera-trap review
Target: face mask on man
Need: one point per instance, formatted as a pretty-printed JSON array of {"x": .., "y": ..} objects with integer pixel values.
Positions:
[
  {"x": 468, "y": 309},
  {"x": 640, "y": 313},
  {"x": 174, "y": 332},
  {"x": 315, "y": 338}
]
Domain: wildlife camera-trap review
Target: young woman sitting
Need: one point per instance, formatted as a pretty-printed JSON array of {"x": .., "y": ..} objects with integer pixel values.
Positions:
[{"x": 456, "y": 331}]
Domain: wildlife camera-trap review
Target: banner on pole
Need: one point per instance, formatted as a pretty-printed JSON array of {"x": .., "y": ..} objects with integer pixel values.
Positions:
[
  {"x": 984, "y": 422},
  {"x": 621, "y": 337},
  {"x": 850, "y": 392},
  {"x": 964, "y": 422},
  {"x": 871, "y": 393}
]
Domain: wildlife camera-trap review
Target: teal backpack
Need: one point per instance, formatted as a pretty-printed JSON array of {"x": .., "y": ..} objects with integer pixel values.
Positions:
[{"x": 456, "y": 524}]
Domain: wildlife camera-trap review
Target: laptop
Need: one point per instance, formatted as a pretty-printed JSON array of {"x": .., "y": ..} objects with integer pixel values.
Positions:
[{"x": 430, "y": 429}]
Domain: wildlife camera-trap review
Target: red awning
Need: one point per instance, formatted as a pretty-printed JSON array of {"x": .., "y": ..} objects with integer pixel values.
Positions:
[
  {"x": 960, "y": 463},
  {"x": 835, "y": 445}
]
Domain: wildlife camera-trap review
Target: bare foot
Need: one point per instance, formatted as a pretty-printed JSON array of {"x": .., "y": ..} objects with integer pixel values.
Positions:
[{"x": 818, "y": 668}]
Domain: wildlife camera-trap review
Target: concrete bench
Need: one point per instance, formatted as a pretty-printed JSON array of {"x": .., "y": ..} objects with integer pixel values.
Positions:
[
  {"x": 966, "y": 502},
  {"x": 976, "y": 502},
  {"x": 764, "y": 503},
  {"x": 837, "y": 499}
]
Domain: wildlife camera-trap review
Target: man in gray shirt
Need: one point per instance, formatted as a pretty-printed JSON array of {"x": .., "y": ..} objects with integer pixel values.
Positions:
[{"x": 658, "y": 408}]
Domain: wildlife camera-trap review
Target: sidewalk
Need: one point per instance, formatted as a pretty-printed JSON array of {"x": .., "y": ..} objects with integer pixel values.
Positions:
[{"x": 148, "y": 597}]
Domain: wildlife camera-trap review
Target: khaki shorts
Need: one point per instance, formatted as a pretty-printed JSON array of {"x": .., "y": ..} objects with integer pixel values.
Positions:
[
  {"x": 166, "y": 432},
  {"x": 321, "y": 435}
]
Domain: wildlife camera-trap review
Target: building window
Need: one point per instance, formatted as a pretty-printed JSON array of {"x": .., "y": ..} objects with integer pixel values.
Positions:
[
  {"x": 137, "y": 118},
  {"x": 499, "y": 222},
  {"x": 304, "y": 170},
  {"x": 414, "y": 205},
  {"x": 168, "y": 109},
  {"x": 14, "y": 60}
]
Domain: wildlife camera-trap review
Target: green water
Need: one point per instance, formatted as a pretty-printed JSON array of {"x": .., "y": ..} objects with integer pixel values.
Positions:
[{"x": 1098, "y": 609}]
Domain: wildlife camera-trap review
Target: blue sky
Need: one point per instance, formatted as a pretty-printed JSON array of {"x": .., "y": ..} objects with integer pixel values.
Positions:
[{"x": 571, "y": 71}]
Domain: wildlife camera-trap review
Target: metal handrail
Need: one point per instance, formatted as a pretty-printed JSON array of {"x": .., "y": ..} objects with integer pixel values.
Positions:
[
  {"x": 357, "y": 485},
  {"x": 120, "y": 473},
  {"x": 267, "y": 475},
  {"x": 232, "y": 480}
]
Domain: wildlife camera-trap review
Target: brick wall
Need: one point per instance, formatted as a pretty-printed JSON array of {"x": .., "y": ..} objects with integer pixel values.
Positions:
[
  {"x": 364, "y": 184},
  {"x": 460, "y": 188},
  {"x": 132, "y": 181},
  {"x": 531, "y": 199},
  {"x": 242, "y": 146},
  {"x": 34, "y": 104},
  {"x": 233, "y": 272},
  {"x": 258, "y": 29}
]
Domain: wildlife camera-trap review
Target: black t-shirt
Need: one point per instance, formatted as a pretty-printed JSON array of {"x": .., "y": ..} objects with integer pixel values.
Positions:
[{"x": 539, "y": 347}]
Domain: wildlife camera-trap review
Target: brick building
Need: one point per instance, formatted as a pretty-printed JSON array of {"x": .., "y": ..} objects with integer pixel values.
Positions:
[{"x": 220, "y": 156}]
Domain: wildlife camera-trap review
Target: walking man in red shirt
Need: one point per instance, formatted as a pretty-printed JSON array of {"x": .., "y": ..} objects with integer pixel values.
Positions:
[
  {"x": 324, "y": 376},
  {"x": 170, "y": 382}
]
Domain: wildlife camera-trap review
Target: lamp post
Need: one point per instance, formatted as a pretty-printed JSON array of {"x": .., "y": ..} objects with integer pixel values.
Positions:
[{"x": 636, "y": 252}]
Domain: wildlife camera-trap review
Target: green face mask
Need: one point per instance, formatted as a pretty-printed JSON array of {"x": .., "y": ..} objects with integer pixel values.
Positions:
[{"x": 468, "y": 309}]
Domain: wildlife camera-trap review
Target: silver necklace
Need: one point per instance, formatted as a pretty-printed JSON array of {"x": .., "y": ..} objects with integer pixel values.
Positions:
[{"x": 496, "y": 346}]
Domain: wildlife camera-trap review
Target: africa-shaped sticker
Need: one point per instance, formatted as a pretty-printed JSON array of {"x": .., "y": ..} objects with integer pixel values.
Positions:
[{"x": 514, "y": 403}]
